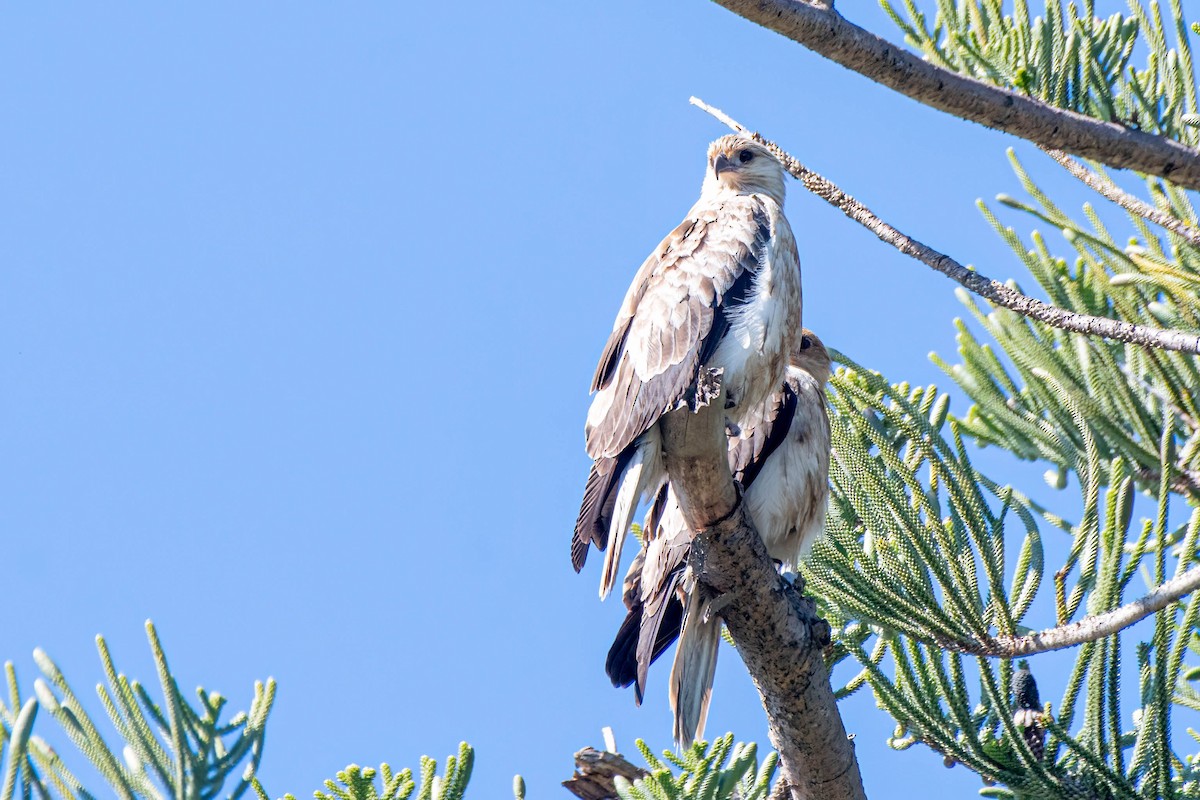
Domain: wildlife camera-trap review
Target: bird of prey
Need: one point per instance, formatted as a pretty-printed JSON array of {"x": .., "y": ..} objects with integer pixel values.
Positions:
[
  {"x": 720, "y": 295},
  {"x": 781, "y": 458}
]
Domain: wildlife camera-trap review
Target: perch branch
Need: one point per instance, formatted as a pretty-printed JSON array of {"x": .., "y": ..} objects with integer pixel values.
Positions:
[
  {"x": 823, "y": 30},
  {"x": 1088, "y": 629},
  {"x": 991, "y": 290},
  {"x": 595, "y": 774},
  {"x": 1132, "y": 204},
  {"x": 777, "y": 631}
]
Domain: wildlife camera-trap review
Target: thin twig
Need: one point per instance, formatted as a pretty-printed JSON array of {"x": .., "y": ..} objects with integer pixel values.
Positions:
[
  {"x": 1185, "y": 481},
  {"x": 1088, "y": 629},
  {"x": 1133, "y": 205},
  {"x": 823, "y": 30},
  {"x": 991, "y": 290}
]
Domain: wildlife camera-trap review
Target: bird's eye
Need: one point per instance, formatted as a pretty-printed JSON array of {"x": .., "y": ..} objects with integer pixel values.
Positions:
[
  {"x": 805, "y": 342},
  {"x": 745, "y": 156}
]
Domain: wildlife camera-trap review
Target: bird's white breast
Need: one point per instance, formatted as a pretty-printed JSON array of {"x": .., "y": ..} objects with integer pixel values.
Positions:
[
  {"x": 787, "y": 500},
  {"x": 764, "y": 330}
]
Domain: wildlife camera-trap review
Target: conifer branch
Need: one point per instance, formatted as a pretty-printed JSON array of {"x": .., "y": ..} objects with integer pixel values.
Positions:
[
  {"x": 823, "y": 30},
  {"x": 1133, "y": 205},
  {"x": 1088, "y": 629},
  {"x": 987, "y": 288}
]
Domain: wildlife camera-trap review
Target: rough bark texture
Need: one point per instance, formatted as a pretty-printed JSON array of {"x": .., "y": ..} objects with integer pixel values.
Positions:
[
  {"x": 1088, "y": 629},
  {"x": 1124, "y": 199},
  {"x": 703, "y": 484},
  {"x": 778, "y": 633},
  {"x": 595, "y": 772},
  {"x": 821, "y": 29}
]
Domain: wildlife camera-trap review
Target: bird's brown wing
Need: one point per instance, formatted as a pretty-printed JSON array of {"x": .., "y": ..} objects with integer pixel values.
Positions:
[
  {"x": 761, "y": 434},
  {"x": 596, "y": 512},
  {"x": 650, "y": 593},
  {"x": 673, "y": 318},
  {"x": 662, "y": 611}
]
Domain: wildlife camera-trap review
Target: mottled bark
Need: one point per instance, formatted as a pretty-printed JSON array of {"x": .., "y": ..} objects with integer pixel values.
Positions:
[
  {"x": 778, "y": 633},
  {"x": 1088, "y": 629},
  {"x": 1124, "y": 199},
  {"x": 823, "y": 30},
  {"x": 595, "y": 773}
]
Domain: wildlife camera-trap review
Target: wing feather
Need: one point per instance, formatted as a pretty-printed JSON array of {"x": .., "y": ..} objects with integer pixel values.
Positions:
[
  {"x": 650, "y": 593},
  {"x": 612, "y": 352},
  {"x": 693, "y": 670},
  {"x": 761, "y": 435},
  {"x": 673, "y": 318},
  {"x": 623, "y": 665},
  {"x": 599, "y": 504}
]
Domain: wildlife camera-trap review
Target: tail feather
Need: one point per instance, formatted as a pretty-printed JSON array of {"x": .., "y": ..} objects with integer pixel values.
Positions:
[
  {"x": 621, "y": 664},
  {"x": 628, "y": 658},
  {"x": 658, "y": 508},
  {"x": 662, "y": 618},
  {"x": 631, "y": 589},
  {"x": 595, "y": 514},
  {"x": 623, "y": 508},
  {"x": 692, "y": 674}
]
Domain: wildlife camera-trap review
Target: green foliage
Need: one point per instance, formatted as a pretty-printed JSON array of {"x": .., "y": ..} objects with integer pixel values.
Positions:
[
  {"x": 1116, "y": 417},
  {"x": 1068, "y": 58},
  {"x": 915, "y": 573},
  {"x": 718, "y": 772},
  {"x": 924, "y": 554},
  {"x": 169, "y": 748},
  {"x": 16, "y": 731},
  {"x": 1132, "y": 396},
  {"x": 173, "y": 749},
  {"x": 929, "y": 566},
  {"x": 359, "y": 783}
]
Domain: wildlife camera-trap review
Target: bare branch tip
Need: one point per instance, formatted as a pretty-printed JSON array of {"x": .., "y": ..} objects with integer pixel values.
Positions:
[
  {"x": 1000, "y": 294},
  {"x": 718, "y": 113}
]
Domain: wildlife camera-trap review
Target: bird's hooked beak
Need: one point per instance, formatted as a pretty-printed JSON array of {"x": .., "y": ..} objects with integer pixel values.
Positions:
[{"x": 721, "y": 164}]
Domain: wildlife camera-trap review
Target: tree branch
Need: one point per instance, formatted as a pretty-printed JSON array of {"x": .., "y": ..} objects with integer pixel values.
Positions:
[
  {"x": 595, "y": 774},
  {"x": 1088, "y": 629},
  {"x": 823, "y": 30},
  {"x": 777, "y": 631},
  {"x": 780, "y": 790},
  {"x": 1125, "y": 200},
  {"x": 991, "y": 290},
  {"x": 1184, "y": 481}
]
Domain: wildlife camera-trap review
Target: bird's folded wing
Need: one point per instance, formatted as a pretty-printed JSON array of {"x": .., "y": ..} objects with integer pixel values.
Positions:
[
  {"x": 599, "y": 503},
  {"x": 761, "y": 434},
  {"x": 655, "y": 609},
  {"x": 673, "y": 318},
  {"x": 666, "y": 558}
]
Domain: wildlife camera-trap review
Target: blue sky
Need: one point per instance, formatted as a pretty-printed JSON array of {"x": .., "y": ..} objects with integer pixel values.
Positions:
[{"x": 300, "y": 307}]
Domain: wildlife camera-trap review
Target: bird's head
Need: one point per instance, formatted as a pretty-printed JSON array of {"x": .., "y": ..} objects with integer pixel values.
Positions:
[
  {"x": 739, "y": 164},
  {"x": 811, "y": 356}
]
